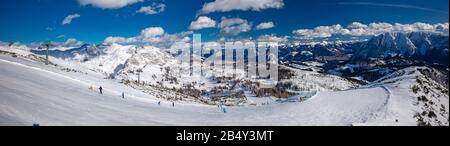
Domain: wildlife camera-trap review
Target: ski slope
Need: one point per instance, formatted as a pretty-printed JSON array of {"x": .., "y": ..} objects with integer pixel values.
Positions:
[{"x": 32, "y": 93}]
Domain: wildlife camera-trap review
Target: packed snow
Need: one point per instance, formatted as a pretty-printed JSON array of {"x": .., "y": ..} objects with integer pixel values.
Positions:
[
  {"x": 66, "y": 93},
  {"x": 34, "y": 93}
]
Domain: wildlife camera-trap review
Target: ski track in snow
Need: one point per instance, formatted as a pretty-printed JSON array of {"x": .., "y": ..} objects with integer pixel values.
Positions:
[
  {"x": 30, "y": 94},
  {"x": 382, "y": 111}
]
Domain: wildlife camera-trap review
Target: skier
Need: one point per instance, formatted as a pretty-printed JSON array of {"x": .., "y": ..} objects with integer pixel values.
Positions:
[
  {"x": 159, "y": 102},
  {"x": 224, "y": 110},
  {"x": 101, "y": 90},
  {"x": 173, "y": 104},
  {"x": 222, "y": 107},
  {"x": 123, "y": 94}
]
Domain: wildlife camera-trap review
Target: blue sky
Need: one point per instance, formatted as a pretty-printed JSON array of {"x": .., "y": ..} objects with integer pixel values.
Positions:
[{"x": 41, "y": 20}]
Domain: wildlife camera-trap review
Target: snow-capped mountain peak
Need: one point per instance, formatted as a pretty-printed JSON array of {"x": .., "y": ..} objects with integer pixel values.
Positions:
[{"x": 422, "y": 45}]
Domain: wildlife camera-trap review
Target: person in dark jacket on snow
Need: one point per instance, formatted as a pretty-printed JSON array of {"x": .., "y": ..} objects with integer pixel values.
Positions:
[{"x": 101, "y": 89}]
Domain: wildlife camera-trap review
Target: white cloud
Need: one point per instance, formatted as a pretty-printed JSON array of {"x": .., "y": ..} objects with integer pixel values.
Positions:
[
  {"x": 442, "y": 27},
  {"x": 211, "y": 45},
  {"x": 155, "y": 36},
  {"x": 272, "y": 38},
  {"x": 202, "y": 22},
  {"x": 359, "y": 29},
  {"x": 234, "y": 26},
  {"x": 165, "y": 40},
  {"x": 69, "y": 18},
  {"x": 119, "y": 40},
  {"x": 320, "y": 31},
  {"x": 152, "y": 32},
  {"x": 50, "y": 28},
  {"x": 155, "y": 8},
  {"x": 179, "y": 45},
  {"x": 356, "y": 25},
  {"x": 265, "y": 25},
  {"x": 61, "y": 36},
  {"x": 71, "y": 42},
  {"x": 108, "y": 4},
  {"x": 243, "y": 5},
  {"x": 413, "y": 27}
]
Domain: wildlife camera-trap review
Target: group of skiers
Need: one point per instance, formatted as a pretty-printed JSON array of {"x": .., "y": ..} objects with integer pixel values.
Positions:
[
  {"x": 100, "y": 89},
  {"x": 220, "y": 105},
  {"x": 173, "y": 104},
  {"x": 123, "y": 94}
]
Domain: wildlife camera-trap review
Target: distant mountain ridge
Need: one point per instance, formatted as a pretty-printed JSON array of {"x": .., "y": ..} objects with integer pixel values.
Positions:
[{"x": 429, "y": 47}]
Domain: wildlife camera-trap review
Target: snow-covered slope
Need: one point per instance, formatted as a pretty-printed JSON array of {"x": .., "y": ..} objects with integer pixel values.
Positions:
[
  {"x": 59, "y": 94},
  {"x": 419, "y": 97},
  {"x": 33, "y": 93},
  {"x": 313, "y": 81}
]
